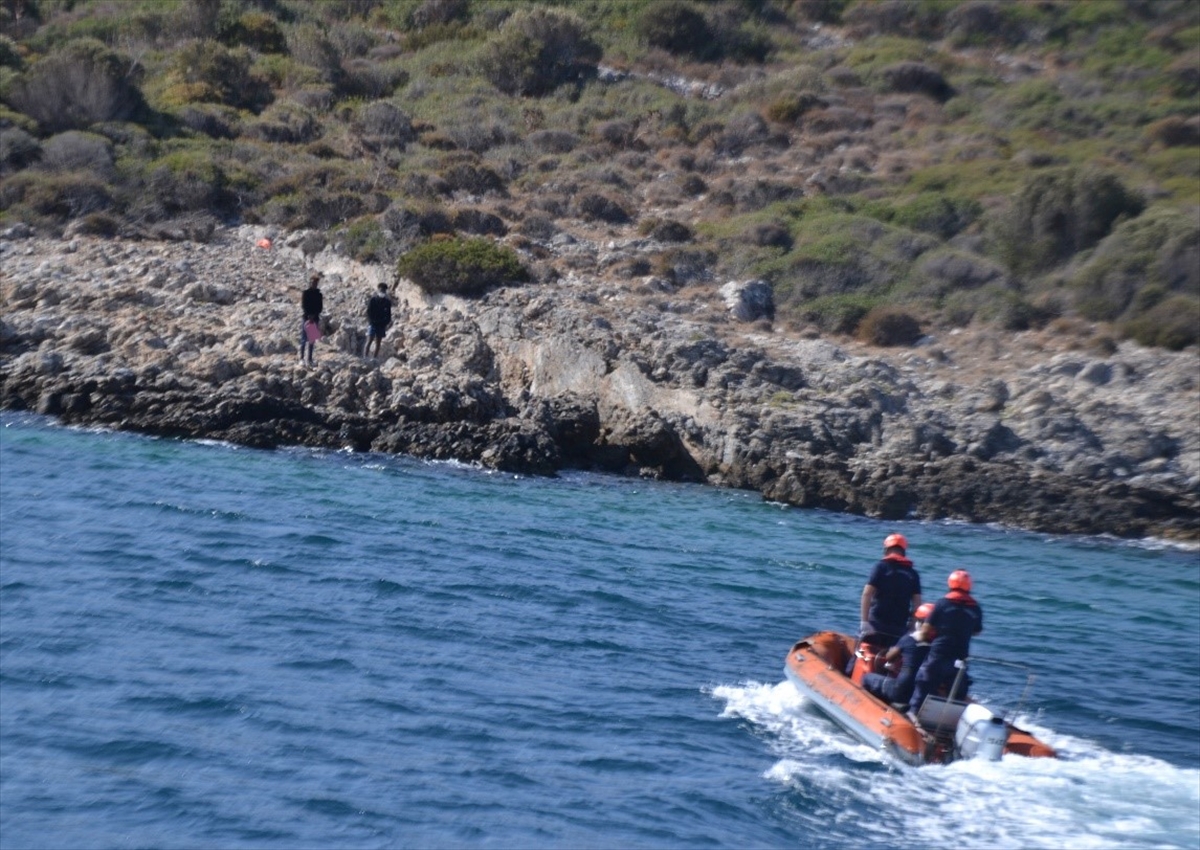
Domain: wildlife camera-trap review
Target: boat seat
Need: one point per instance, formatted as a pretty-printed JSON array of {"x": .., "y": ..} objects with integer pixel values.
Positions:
[{"x": 940, "y": 713}]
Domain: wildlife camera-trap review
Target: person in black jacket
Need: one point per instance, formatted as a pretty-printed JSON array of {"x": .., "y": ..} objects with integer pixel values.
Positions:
[
  {"x": 312, "y": 302},
  {"x": 892, "y": 592},
  {"x": 903, "y": 660},
  {"x": 379, "y": 319},
  {"x": 956, "y": 617}
]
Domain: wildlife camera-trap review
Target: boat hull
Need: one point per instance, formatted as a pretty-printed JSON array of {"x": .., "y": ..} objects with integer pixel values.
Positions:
[{"x": 816, "y": 666}]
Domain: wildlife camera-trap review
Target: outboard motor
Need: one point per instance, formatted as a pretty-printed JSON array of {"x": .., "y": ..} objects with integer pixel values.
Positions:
[{"x": 980, "y": 733}]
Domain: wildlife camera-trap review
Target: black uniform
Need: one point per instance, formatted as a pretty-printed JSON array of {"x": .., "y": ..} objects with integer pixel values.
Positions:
[
  {"x": 899, "y": 688},
  {"x": 955, "y": 618},
  {"x": 895, "y": 582}
]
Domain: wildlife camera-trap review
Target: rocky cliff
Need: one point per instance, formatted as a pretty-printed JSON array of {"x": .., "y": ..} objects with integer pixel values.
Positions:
[{"x": 1045, "y": 431}]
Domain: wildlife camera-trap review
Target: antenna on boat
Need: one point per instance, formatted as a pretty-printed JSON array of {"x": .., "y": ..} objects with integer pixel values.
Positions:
[
  {"x": 1021, "y": 702},
  {"x": 1029, "y": 680}
]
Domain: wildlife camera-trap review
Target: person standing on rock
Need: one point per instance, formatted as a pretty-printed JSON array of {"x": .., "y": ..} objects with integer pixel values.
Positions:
[
  {"x": 956, "y": 617},
  {"x": 891, "y": 594},
  {"x": 311, "y": 303},
  {"x": 379, "y": 319}
]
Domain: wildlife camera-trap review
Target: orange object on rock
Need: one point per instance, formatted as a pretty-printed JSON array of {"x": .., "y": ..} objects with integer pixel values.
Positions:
[{"x": 264, "y": 243}]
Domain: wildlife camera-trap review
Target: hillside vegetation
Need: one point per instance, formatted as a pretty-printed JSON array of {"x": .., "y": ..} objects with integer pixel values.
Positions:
[{"x": 887, "y": 165}]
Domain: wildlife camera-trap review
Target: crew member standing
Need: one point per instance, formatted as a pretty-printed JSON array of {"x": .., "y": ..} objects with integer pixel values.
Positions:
[
  {"x": 956, "y": 617},
  {"x": 891, "y": 593}
]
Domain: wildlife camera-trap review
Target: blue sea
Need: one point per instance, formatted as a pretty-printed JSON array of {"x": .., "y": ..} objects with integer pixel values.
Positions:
[{"x": 206, "y": 646}]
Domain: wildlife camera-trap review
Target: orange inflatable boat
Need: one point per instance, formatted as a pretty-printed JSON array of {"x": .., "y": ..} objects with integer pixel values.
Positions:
[{"x": 945, "y": 730}]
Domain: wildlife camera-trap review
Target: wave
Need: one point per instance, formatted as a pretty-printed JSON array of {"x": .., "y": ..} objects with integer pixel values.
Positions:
[{"x": 1084, "y": 798}]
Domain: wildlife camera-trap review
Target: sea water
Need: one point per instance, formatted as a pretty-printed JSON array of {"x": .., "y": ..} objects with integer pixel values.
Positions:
[{"x": 209, "y": 646}]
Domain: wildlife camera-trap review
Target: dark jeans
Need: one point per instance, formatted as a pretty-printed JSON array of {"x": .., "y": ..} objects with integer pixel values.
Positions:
[
  {"x": 887, "y": 688},
  {"x": 935, "y": 674}
]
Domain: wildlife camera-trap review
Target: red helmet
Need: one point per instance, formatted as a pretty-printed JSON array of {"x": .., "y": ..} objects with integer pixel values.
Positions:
[
  {"x": 959, "y": 580},
  {"x": 923, "y": 611},
  {"x": 895, "y": 540}
]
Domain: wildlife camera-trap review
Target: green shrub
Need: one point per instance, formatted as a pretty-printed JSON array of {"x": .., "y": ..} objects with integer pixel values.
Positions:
[
  {"x": 10, "y": 57},
  {"x": 17, "y": 149},
  {"x": 1159, "y": 249},
  {"x": 678, "y": 27},
  {"x": 1058, "y": 213},
  {"x": 78, "y": 151},
  {"x": 1173, "y": 324},
  {"x": 467, "y": 267},
  {"x": 257, "y": 30},
  {"x": 309, "y": 45},
  {"x": 929, "y": 212},
  {"x": 364, "y": 239},
  {"x": 81, "y": 84},
  {"x": 840, "y": 314},
  {"x": 918, "y": 78},
  {"x": 57, "y": 197},
  {"x": 912, "y": 18},
  {"x": 381, "y": 125},
  {"x": 207, "y": 71},
  {"x": 537, "y": 50},
  {"x": 369, "y": 79},
  {"x": 789, "y": 107},
  {"x": 1175, "y": 131},
  {"x": 997, "y": 305},
  {"x": 596, "y": 207},
  {"x": 99, "y": 224},
  {"x": 889, "y": 326}
]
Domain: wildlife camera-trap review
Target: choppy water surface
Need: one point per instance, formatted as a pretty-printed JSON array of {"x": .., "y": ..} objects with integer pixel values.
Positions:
[{"x": 205, "y": 646}]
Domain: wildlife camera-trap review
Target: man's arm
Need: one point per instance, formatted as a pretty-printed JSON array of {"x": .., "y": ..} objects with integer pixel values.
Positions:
[{"x": 868, "y": 594}]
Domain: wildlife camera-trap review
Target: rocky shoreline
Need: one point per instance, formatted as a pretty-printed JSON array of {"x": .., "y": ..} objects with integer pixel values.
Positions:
[{"x": 1050, "y": 431}]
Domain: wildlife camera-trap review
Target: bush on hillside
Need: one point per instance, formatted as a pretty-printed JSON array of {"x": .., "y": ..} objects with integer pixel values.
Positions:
[
  {"x": 839, "y": 314},
  {"x": 980, "y": 22},
  {"x": 1058, "y": 213},
  {"x": 212, "y": 119},
  {"x": 932, "y": 212},
  {"x": 365, "y": 240},
  {"x": 679, "y": 28},
  {"x": 81, "y": 84},
  {"x": 537, "y": 50},
  {"x": 1175, "y": 131},
  {"x": 439, "y": 13},
  {"x": 912, "y": 18},
  {"x": 1173, "y": 324},
  {"x": 769, "y": 235},
  {"x": 889, "y": 326},
  {"x": 1159, "y": 249},
  {"x": 595, "y": 207},
  {"x": 456, "y": 266},
  {"x": 309, "y": 45},
  {"x": 17, "y": 149},
  {"x": 369, "y": 79},
  {"x": 939, "y": 273},
  {"x": 917, "y": 78},
  {"x": 78, "y": 151},
  {"x": 207, "y": 71},
  {"x": 382, "y": 125},
  {"x": 256, "y": 30},
  {"x": 790, "y": 106},
  {"x": 473, "y": 179},
  {"x": 54, "y": 197}
]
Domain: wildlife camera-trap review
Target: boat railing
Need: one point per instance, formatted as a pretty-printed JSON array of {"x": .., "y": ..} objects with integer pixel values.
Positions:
[{"x": 1030, "y": 677}]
